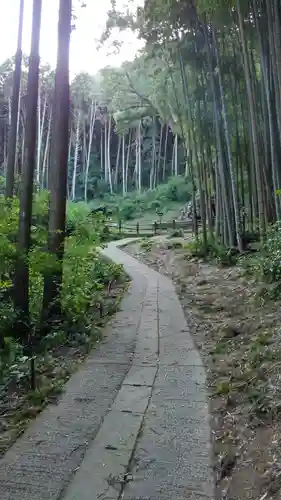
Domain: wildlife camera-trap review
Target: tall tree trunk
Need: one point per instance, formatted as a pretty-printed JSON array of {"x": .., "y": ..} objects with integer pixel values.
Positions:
[
  {"x": 109, "y": 155},
  {"x": 91, "y": 133},
  {"x": 46, "y": 152},
  {"x": 229, "y": 153},
  {"x": 59, "y": 167},
  {"x": 123, "y": 166},
  {"x": 253, "y": 120},
  {"x": 117, "y": 162},
  {"x": 176, "y": 155},
  {"x": 139, "y": 156},
  {"x": 159, "y": 155},
  {"x": 12, "y": 147},
  {"x": 153, "y": 156},
  {"x": 128, "y": 160},
  {"x": 165, "y": 154},
  {"x": 22, "y": 148},
  {"x": 40, "y": 131},
  {"x": 69, "y": 162},
  {"x": 21, "y": 283},
  {"x": 76, "y": 152},
  {"x": 105, "y": 153},
  {"x": 38, "y": 136}
]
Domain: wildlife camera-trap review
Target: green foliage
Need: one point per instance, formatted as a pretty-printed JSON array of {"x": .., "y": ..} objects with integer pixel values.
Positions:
[
  {"x": 127, "y": 210},
  {"x": 176, "y": 190},
  {"x": 146, "y": 245},
  {"x": 268, "y": 263},
  {"x": 10, "y": 355},
  {"x": 211, "y": 250},
  {"x": 85, "y": 272},
  {"x": 223, "y": 387}
]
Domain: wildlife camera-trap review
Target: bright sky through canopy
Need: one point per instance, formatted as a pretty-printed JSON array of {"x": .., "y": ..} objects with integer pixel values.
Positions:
[{"x": 89, "y": 25}]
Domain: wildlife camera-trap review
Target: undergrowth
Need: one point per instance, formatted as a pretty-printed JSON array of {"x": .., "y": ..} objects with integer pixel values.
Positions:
[
  {"x": 86, "y": 275},
  {"x": 159, "y": 200},
  {"x": 210, "y": 251},
  {"x": 265, "y": 265}
]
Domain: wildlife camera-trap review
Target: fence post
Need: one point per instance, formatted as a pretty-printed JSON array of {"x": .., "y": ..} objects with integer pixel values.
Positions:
[
  {"x": 155, "y": 228},
  {"x": 119, "y": 225},
  {"x": 138, "y": 228},
  {"x": 101, "y": 309},
  {"x": 32, "y": 374},
  {"x": 174, "y": 224}
]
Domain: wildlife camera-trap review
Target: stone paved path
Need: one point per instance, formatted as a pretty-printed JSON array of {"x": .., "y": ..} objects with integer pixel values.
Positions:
[{"x": 133, "y": 421}]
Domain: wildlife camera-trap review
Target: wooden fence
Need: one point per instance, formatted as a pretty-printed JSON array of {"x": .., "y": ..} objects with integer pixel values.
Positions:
[{"x": 146, "y": 229}]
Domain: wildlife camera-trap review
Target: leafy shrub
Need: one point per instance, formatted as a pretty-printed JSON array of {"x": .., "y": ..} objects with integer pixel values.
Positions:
[
  {"x": 11, "y": 356},
  {"x": 270, "y": 260},
  {"x": 267, "y": 264},
  {"x": 127, "y": 210},
  {"x": 155, "y": 205},
  {"x": 222, "y": 255},
  {"x": 146, "y": 245},
  {"x": 177, "y": 189},
  {"x": 85, "y": 273}
]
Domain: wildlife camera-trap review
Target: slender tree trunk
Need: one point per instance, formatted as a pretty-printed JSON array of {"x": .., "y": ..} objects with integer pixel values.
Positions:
[
  {"x": 159, "y": 155},
  {"x": 139, "y": 156},
  {"x": 152, "y": 168},
  {"x": 17, "y": 159},
  {"x": 254, "y": 131},
  {"x": 128, "y": 160},
  {"x": 123, "y": 166},
  {"x": 229, "y": 155},
  {"x": 38, "y": 136},
  {"x": 59, "y": 167},
  {"x": 91, "y": 133},
  {"x": 117, "y": 162},
  {"x": 76, "y": 152},
  {"x": 109, "y": 155},
  {"x": 12, "y": 146},
  {"x": 22, "y": 149},
  {"x": 165, "y": 154},
  {"x": 40, "y": 131},
  {"x": 105, "y": 153},
  {"x": 176, "y": 155},
  {"x": 46, "y": 152},
  {"x": 21, "y": 283}
]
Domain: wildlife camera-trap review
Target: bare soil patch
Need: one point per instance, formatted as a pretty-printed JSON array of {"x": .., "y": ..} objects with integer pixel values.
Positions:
[{"x": 238, "y": 335}]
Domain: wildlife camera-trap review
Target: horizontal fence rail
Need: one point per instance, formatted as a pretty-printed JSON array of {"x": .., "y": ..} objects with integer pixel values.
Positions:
[{"x": 151, "y": 229}]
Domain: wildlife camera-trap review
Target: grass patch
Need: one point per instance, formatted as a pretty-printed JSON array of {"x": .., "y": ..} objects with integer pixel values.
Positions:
[{"x": 146, "y": 245}]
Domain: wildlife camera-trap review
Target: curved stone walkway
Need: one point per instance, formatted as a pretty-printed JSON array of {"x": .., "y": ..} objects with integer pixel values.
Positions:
[{"x": 133, "y": 421}]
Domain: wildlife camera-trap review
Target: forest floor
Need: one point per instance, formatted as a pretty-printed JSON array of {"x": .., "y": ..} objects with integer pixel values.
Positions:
[
  {"x": 19, "y": 404},
  {"x": 238, "y": 335}
]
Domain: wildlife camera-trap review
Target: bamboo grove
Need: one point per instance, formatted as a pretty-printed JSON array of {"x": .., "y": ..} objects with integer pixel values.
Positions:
[
  {"x": 217, "y": 75},
  {"x": 67, "y": 143},
  {"x": 106, "y": 152},
  {"x": 201, "y": 100}
]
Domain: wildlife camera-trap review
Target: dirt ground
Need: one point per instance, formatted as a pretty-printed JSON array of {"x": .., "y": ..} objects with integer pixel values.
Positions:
[{"x": 238, "y": 335}]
